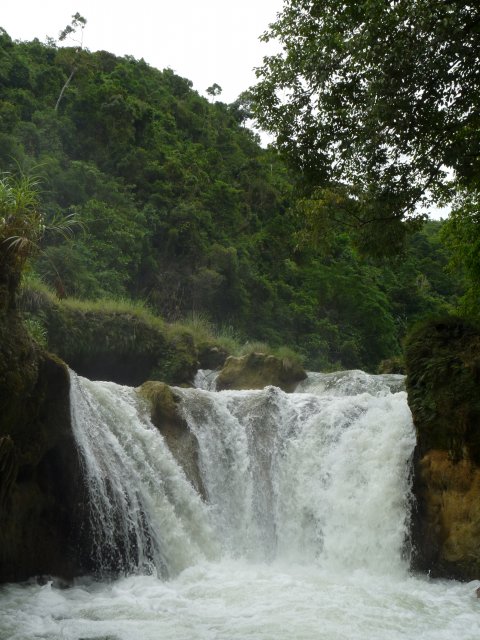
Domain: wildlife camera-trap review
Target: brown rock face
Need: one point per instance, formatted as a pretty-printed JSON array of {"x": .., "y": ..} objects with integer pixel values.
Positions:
[
  {"x": 443, "y": 383},
  {"x": 257, "y": 370},
  {"x": 180, "y": 440},
  {"x": 448, "y": 535}
]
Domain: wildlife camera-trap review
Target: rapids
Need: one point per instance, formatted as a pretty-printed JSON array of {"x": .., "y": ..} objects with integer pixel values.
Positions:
[{"x": 303, "y": 535}]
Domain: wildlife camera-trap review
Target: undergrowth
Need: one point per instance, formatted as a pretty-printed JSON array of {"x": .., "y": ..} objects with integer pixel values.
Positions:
[{"x": 35, "y": 297}]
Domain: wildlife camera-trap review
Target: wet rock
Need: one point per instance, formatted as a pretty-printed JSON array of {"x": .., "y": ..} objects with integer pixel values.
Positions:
[
  {"x": 258, "y": 370},
  {"x": 180, "y": 440},
  {"x": 443, "y": 384},
  {"x": 39, "y": 467},
  {"x": 211, "y": 357},
  {"x": 8, "y": 469}
]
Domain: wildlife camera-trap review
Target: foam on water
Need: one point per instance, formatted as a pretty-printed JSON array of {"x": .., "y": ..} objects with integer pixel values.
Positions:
[{"x": 237, "y": 600}]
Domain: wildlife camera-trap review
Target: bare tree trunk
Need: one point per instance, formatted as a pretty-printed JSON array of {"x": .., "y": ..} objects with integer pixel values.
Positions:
[{"x": 64, "y": 88}]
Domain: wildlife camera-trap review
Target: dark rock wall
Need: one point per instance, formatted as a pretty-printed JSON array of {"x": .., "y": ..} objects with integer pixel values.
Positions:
[
  {"x": 40, "y": 480},
  {"x": 443, "y": 384},
  {"x": 40, "y": 484}
]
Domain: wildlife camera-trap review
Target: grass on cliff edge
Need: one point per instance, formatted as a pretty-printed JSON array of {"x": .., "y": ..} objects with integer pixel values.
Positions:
[{"x": 35, "y": 295}]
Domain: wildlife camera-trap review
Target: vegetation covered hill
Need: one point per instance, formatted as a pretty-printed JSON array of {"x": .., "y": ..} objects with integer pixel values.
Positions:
[{"x": 182, "y": 208}]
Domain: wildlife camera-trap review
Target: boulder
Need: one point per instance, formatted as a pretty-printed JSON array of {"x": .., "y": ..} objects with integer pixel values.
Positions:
[
  {"x": 120, "y": 347},
  {"x": 211, "y": 356},
  {"x": 180, "y": 440},
  {"x": 123, "y": 345},
  {"x": 258, "y": 370},
  {"x": 443, "y": 385}
]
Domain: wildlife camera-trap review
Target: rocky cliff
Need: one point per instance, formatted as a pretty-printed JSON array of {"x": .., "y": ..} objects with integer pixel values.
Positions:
[
  {"x": 443, "y": 384},
  {"x": 118, "y": 343},
  {"x": 40, "y": 488}
]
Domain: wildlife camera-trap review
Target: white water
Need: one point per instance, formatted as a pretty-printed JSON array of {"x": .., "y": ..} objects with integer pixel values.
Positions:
[
  {"x": 146, "y": 516},
  {"x": 303, "y": 536}
]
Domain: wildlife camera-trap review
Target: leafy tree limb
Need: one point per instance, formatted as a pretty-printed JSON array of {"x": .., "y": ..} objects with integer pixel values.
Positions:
[{"x": 383, "y": 97}]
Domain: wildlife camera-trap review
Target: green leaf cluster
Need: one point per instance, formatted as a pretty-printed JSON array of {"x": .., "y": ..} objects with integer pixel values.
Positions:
[{"x": 377, "y": 98}]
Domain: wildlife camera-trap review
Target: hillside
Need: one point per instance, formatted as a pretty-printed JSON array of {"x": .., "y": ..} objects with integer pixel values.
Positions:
[{"x": 181, "y": 208}]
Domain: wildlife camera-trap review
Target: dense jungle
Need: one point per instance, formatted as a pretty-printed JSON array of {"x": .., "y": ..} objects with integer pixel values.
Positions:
[{"x": 181, "y": 210}]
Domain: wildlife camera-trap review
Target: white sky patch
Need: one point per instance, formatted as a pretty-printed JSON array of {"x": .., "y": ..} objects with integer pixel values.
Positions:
[{"x": 206, "y": 41}]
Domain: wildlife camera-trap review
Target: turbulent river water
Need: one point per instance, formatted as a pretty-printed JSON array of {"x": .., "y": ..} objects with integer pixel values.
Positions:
[{"x": 303, "y": 534}]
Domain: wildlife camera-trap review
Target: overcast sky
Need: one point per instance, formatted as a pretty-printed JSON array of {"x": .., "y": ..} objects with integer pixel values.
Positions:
[{"x": 206, "y": 41}]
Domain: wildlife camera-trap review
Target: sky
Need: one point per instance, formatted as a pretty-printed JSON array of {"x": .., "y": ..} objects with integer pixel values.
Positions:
[{"x": 206, "y": 41}]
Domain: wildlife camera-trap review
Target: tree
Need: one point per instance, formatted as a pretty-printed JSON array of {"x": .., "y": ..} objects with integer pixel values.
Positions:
[
  {"x": 78, "y": 23},
  {"x": 214, "y": 91},
  {"x": 23, "y": 225},
  {"x": 461, "y": 233},
  {"x": 382, "y": 96}
]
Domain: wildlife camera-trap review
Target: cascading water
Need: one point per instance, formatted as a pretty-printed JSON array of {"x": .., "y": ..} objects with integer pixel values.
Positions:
[
  {"x": 144, "y": 514},
  {"x": 308, "y": 477},
  {"x": 301, "y": 535},
  {"x": 312, "y": 477}
]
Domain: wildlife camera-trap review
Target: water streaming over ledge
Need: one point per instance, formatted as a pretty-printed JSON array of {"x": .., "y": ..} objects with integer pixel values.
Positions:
[
  {"x": 302, "y": 534},
  {"x": 318, "y": 476}
]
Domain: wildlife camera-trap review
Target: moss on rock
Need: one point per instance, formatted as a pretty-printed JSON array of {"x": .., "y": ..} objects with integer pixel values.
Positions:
[
  {"x": 211, "y": 356},
  {"x": 257, "y": 370},
  {"x": 116, "y": 344},
  {"x": 39, "y": 467},
  {"x": 443, "y": 383},
  {"x": 180, "y": 440}
]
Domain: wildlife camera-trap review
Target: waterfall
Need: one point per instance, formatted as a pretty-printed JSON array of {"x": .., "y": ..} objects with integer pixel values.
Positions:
[
  {"x": 318, "y": 476},
  {"x": 144, "y": 514}
]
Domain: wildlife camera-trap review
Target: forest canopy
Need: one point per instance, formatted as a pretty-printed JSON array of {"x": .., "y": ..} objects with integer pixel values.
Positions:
[{"x": 183, "y": 209}]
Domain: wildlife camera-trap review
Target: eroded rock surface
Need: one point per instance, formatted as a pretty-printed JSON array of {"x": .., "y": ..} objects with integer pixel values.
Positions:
[
  {"x": 180, "y": 440},
  {"x": 39, "y": 467},
  {"x": 258, "y": 370},
  {"x": 443, "y": 383}
]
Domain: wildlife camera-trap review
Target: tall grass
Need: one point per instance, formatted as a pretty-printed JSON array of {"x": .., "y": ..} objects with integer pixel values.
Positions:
[
  {"x": 36, "y": 297},
  {"x": 284, "y": 353}
]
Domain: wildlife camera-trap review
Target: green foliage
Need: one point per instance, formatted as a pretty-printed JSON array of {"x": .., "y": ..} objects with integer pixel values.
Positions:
[
  {"x": 182, "y": 209},
  {"x": 198, "y": 325},
  {"x": 376, "y": 98},
  {"x": 22, "y": 224},
  {"x": 36, "y": 330},
  {"x": 461, "y": 233}
]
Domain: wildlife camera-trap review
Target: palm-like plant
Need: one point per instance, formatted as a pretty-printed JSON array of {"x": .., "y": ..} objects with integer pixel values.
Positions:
[{"x": 22, "y": 222}]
